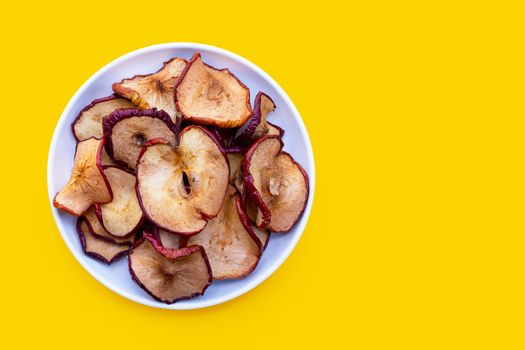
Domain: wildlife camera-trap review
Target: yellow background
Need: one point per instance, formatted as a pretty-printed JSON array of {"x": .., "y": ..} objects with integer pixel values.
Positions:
[{"x": 416, "y": 116}]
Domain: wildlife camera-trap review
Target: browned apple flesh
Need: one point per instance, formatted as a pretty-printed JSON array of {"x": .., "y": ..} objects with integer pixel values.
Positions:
[
  {"x": 257, "y": 126},
  {"x": 167, "y": 239},
  {"x": 169, "y": 275},
  {"x": 171, "y": 240},
  {"x": 127, "y": 130},
  {"x": 105, "y": 159},
  {"x": 236, "y": 178},
  {"x": 154, "y": 90},
  {"x": 232, "y": 252},
  {"x": 277, "y": 184},
  {"x": 206, "y": 95},
  {"x": 88, "y": 123},
  {"x": 260, "y": 236},
  {"x": 263, "y": 236},
  {"x": 235, "y": 160},
  {"x": 98, "y": 230},
  {"x": 274, "y": 130},
  {"x": 266, "y": 105},
  {"x": 87, "y": 184},
  {"x": 97, "y": 248},
  {"x": 123, "y": 215},
  {"x": 251, "y": 209},
  {"x": 181, "y": 187}
]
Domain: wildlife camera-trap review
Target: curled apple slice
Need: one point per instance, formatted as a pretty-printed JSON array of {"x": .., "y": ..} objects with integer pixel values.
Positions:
[
  {"x": 123, "y": 215},
  {"x": 257, "y": 126},
  {"x": 169, "y": 275},
  {"x": 261, "y": 237},
  {"x": 181, "y": 187},
  {"x": 206, "y": 95},
  {"x": 168, "y": 239},
  {"x": 99, "y": 249},
  {"x": 127, "y": 130},
  {"x": 105, "y": 159},
  {"x": 171, "y": 240},
  {"x": 88, "y": 184},
  {"x": 276, "y": 183},
  {"x": 98, "y": 230},
  {"x": 231, "y": 250},
  {"x": 235, "y": 160},
  {"x": 154, "y": 90},
  {"x": 88, "y": 122},
  {"x": 223, "y": 135},
  {"x": 236, "y": 177},
  {"x": 274, "y": 130}
]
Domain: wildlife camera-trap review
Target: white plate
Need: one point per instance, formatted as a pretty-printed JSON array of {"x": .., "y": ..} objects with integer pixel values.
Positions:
[{"x": 148, "y": 60}]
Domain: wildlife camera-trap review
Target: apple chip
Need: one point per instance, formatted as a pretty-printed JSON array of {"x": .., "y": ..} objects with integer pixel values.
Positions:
[
  {"x": 236, "y": 177},
  {"x": 169, "y": 275},
  {"x": 127, "y": 130},
  {"x": 88, "y": 184},
  {"x": 261, "y": 237},
  {"x": 274, "y": 130},
  {"x": 99, "y": 249},
  {"x": 257, "y": 126},
  {"x": 206, "y": 95},
  {"x": 123, "y": 215},
  {"x": 181, "y": 187},
  {"x": 277, "y": 184},
  {"x": 171, "y": 240},
  {"x": 232, "y": 252},
  {"x": 235, "y": 160},
  {"x": 88, "y": 123},
  {"x": 167, "y": 239},
  {"x": 98, "y": 230},
  {"x": 216, "y": 132},
  {"x": 105, "y": 159},
  {"x": 154, "y": 90}
]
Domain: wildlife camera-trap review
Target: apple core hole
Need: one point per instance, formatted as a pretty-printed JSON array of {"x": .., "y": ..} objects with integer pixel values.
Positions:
[
  {"x": 140, "y": 139},
  {"x": 186, "y": 183}
]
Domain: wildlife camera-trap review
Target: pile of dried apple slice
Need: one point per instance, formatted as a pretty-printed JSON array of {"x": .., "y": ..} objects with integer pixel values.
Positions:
[{"x": 179, "y": 173}]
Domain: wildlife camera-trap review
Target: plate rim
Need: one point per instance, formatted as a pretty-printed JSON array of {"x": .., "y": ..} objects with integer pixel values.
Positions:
[{"x": 194, "y": 303}]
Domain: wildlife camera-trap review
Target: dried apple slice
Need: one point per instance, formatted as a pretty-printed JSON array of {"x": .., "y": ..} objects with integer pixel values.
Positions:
[
  {"x": 169, "y": 275},
  {"x": 251, "y": 209},
  {"x": 181, "y": 187},
  {"x": 123, "y": 215},
  {"x": 206, "y": 95},
  {"x": 88, "y": 184},
  {"x": 223, "y": 135},
  {"x": 105, "y": 159},
  {"x": 235, "y": 160},
  {"x": 171, "y": 240},
  {"x": 167, "y": 239},
  {"x": 231, "y": 250},
  {"x": 277, "y": 184},
  {"x": 236, "y": 177},
  {"x": 99, "y": 249},
  {"x": 98, "y": 230},
  {"x": 127, "y": 130},
  {"x": 154, "y": 90},
  {"x": 257, "y": 126},
  {"x": 261, "y": 237},
  {"x": 88, "y": 122},
  {"x": 274, "y": 130}
]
